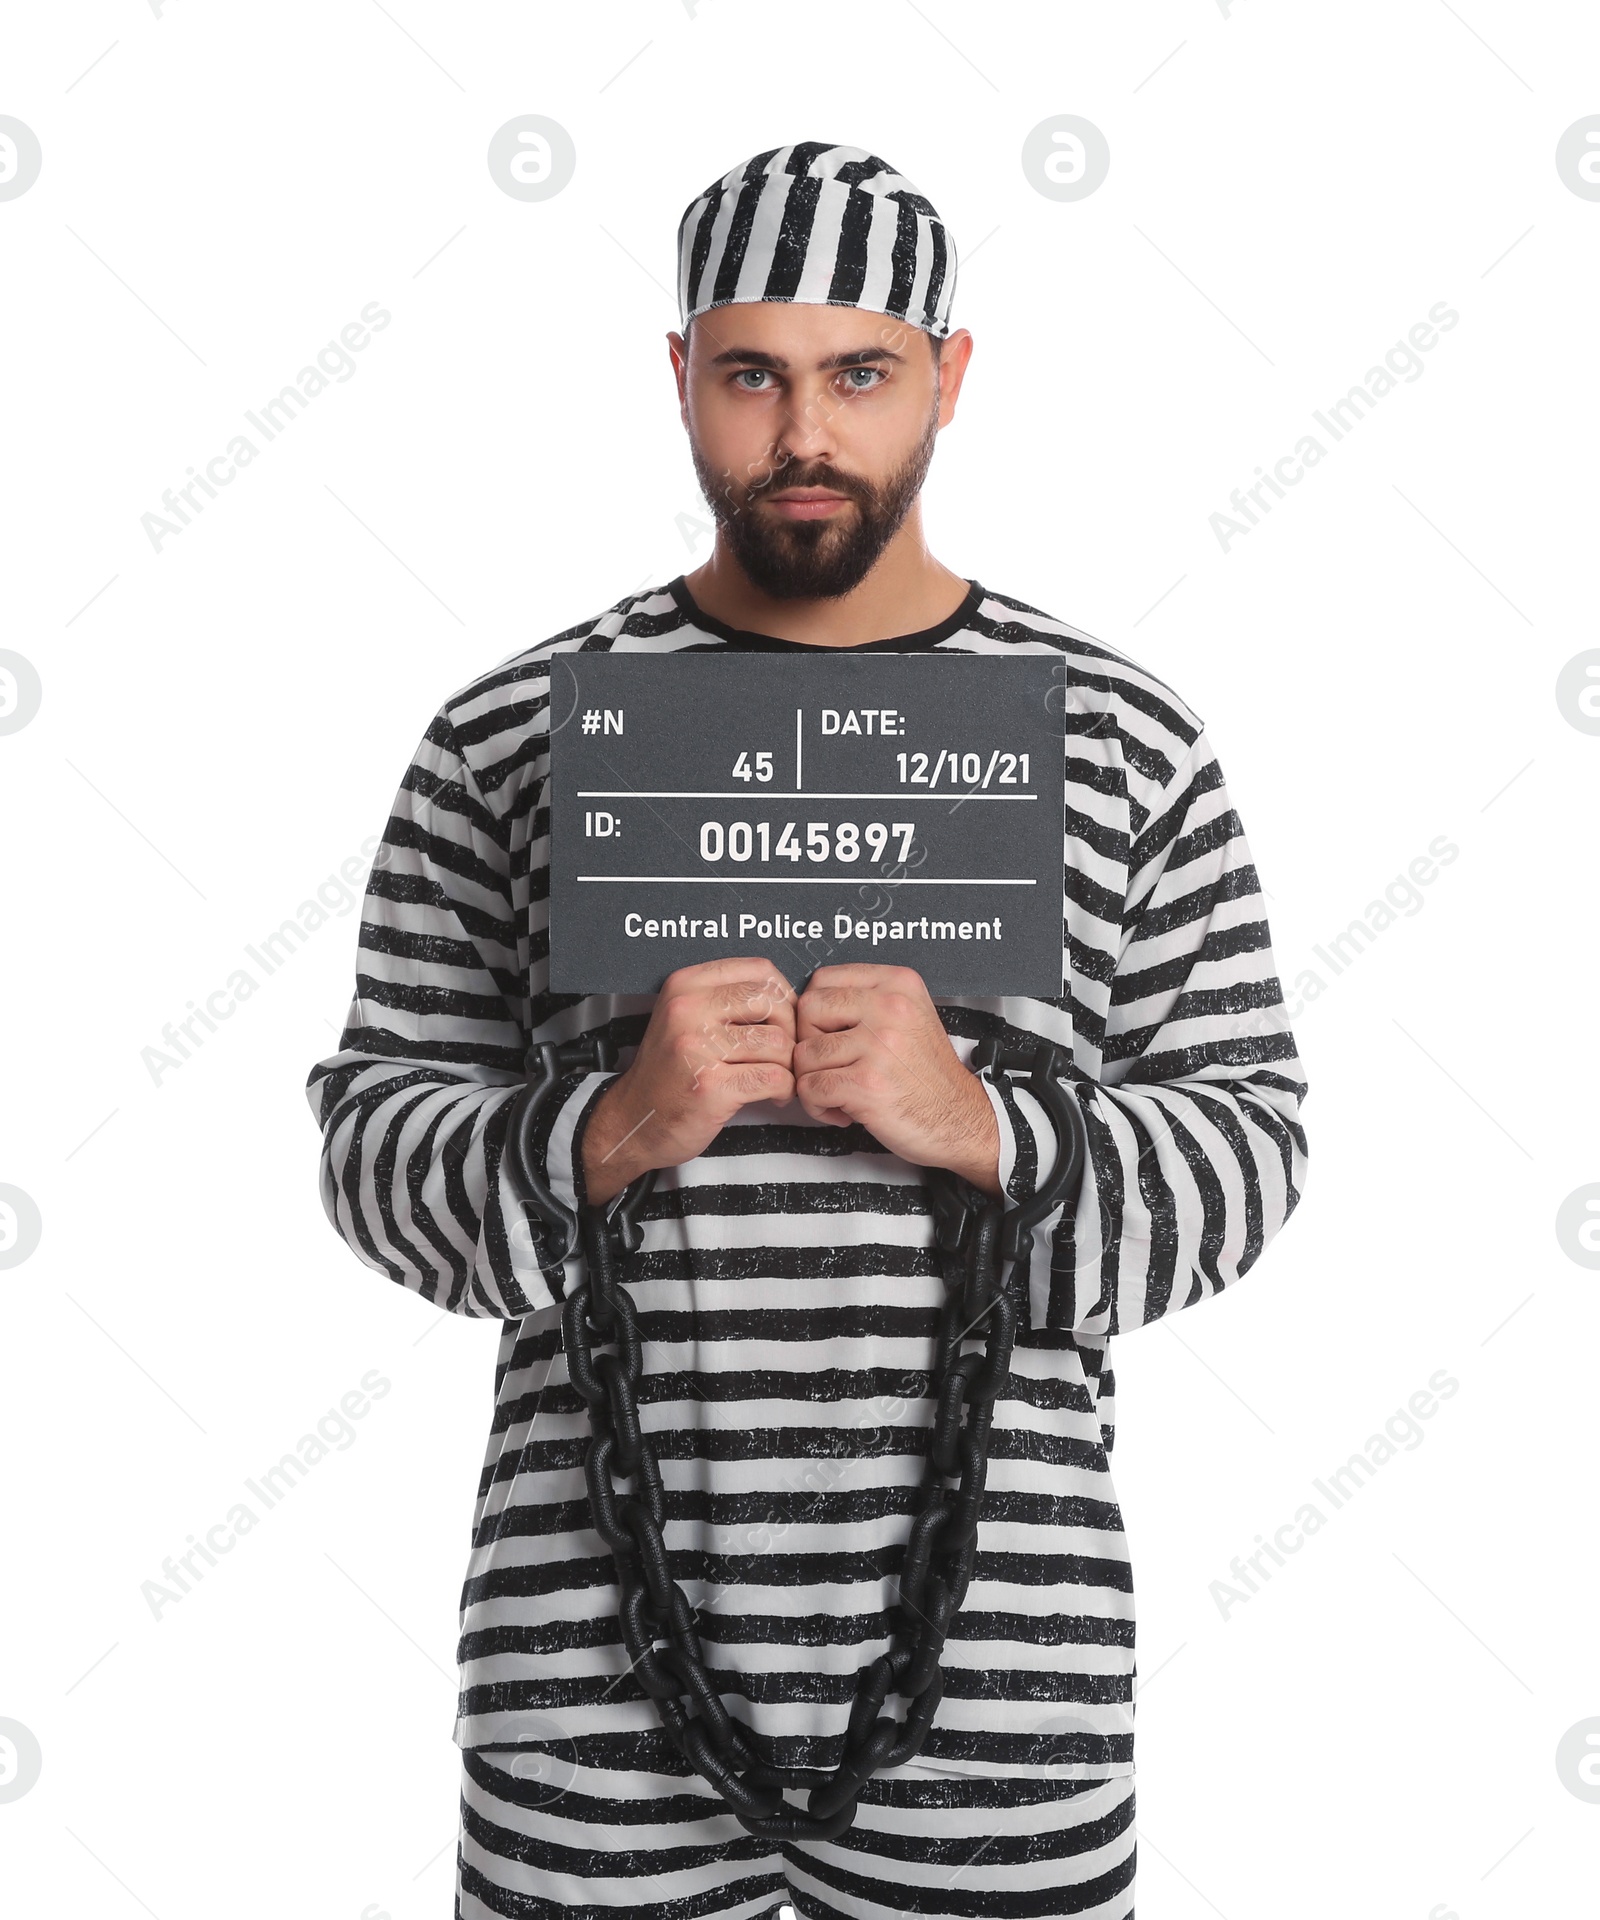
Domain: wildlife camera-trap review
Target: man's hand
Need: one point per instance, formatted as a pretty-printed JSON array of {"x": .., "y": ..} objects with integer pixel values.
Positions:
[
  {"x": 719, "y": 1037},
  {"x": 870, "y": 1047}
]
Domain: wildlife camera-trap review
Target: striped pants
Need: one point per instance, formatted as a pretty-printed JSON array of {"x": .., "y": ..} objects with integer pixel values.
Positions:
[{"x": 543, "y": 1836}]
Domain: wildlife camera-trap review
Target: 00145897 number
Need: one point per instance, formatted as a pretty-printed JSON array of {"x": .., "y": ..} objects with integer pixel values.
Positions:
[{"x": 739, "y": 840}]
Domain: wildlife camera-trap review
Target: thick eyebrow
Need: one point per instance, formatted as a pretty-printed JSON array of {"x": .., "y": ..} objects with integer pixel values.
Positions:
[{"x": 775, "y": 363}]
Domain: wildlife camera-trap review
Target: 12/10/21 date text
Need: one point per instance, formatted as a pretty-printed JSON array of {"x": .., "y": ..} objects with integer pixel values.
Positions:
[{"x": 975, "y": 771}]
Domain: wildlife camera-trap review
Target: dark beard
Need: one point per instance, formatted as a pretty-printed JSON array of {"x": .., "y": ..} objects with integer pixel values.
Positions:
[{"x": 815, "y": 559}]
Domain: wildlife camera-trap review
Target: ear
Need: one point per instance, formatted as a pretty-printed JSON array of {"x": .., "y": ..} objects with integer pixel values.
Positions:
[
  {"x": 954, "y": 354},
  {"x": 678, "y": 348}
]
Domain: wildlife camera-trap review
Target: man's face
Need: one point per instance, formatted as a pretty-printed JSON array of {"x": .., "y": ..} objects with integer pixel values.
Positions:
[{"x": 811, "y": 429}]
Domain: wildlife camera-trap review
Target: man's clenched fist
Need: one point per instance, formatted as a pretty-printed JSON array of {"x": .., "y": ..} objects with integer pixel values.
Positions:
[
  {"x": 862, "y": 1043},
  {"x": 870, "y": 1047},
  {"x": 719, "y": 1038}
]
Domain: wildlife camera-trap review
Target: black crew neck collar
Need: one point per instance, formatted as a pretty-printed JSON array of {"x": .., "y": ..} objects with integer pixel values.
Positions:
[{"x": 741, "y": 637}]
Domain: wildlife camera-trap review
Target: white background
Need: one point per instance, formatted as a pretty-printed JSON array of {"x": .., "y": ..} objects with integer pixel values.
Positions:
[{"x": 224, "y": 722}]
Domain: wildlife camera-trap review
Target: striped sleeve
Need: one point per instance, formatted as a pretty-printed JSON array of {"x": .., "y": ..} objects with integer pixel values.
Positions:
[
  {"x": 1196, "y": 1152},
  {"x": 414, "y": 1106},
  {"x": 1027, "y": 1141}
]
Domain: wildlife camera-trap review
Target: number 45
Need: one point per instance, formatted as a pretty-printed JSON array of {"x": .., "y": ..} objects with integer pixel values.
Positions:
[{"x": 763, "y": 767}]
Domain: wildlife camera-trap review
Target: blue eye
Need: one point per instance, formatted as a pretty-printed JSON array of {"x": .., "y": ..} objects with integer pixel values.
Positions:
[{"x": 876, "y": 376}]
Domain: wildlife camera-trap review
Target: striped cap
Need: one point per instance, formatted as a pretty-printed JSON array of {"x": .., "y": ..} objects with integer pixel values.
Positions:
[{"x": 819, "y": 224}]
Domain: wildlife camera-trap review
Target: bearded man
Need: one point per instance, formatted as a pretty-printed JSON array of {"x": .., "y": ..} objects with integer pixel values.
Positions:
[{"x": 787, "y": 1285}]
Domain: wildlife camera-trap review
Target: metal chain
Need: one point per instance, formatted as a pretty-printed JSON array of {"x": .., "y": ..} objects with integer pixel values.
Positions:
[{"x": 974, "y": 1235}]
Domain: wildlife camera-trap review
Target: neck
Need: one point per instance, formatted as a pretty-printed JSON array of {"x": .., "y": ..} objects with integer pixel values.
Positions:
[{"x": 905, "y": 591}]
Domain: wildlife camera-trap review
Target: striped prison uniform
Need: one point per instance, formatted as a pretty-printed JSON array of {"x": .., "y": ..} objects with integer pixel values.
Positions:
[
  {"x": 544, "y": 1835},
  {"x": 787, "y": 1288}
]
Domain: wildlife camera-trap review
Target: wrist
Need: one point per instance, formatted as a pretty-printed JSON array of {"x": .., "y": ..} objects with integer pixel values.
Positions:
[
  {"x": 977, "y": 1158},
  {"x": 982, "y": 1171},
  {"x": 609, "y": 1154}
]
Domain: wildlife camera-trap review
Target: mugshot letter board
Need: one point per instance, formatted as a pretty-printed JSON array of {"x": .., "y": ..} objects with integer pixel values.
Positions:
[{"x": 900, "y": 809}]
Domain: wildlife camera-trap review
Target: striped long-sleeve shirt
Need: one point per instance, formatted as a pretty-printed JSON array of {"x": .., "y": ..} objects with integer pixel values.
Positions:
[{"x": 787, "y": 1289}]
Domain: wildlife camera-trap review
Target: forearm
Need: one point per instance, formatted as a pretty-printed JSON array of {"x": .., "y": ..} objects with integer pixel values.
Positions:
[
  {"x": 411, "y": 1181},
  {"x": 1187, "y": 1183}
]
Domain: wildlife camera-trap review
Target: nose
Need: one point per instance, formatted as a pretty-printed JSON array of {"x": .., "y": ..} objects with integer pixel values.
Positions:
[{"x": 809, "y": 425}]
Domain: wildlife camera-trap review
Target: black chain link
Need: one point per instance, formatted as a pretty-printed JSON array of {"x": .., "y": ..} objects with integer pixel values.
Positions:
[{"x": 973, "y": 1234}]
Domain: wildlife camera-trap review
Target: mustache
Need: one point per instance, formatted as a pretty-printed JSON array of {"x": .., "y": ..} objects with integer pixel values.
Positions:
[{"x": 782, "y": 477}]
